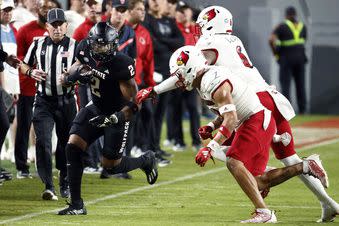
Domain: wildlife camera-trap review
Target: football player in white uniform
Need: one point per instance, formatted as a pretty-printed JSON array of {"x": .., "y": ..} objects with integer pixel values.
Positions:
[
  {"x": 222, "y": 48},
  {"x": 239, "y": 107}
]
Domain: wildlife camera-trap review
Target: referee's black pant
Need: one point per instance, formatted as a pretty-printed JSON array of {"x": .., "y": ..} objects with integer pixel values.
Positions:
[
  {"x": 48, "y": 111},
  {"x": 24, "y": 120}
]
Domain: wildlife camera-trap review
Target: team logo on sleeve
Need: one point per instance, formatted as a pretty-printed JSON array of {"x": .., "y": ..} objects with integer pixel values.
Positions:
[
  {"x": 182, "y": 59},
  {"x": 210, "y": 15}
]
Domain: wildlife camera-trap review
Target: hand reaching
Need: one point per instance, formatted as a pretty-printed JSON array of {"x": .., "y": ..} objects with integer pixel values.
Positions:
[
  {"x": 13, "y": 61},
  {"x": 144, "y": 94},
  {"x": 101, "y": 121}
]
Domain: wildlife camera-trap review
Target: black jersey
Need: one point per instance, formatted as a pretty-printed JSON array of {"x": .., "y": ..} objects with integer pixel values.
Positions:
[{"x": 104, "y": 85}]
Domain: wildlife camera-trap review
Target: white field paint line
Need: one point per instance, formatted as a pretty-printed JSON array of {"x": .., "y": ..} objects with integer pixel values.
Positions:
[
  {"x": 148, "y": 187},
  {"x": 113, "y": 196},
  {"x": 323, "y": 143}
]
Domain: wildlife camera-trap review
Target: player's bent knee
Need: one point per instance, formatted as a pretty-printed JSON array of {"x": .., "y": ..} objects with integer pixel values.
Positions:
[
  {"x": 77, "y": 141},
  {"x": 110, "y": 158}
]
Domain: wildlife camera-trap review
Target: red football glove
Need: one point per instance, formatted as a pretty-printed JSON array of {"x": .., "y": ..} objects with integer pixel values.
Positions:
[
  {"x": 144, "y": 94},
  {"x": 205, "y": 132},
  {"x": 203, "y": 155}
]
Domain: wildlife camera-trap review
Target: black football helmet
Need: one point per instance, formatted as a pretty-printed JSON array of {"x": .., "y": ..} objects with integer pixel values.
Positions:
[{"x": 103, "y": 41}]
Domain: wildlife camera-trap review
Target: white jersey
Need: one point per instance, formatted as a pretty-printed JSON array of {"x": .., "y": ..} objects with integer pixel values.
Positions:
[
  {"x": 245, "y": 100},
  {"x": 231, "y": 53}
]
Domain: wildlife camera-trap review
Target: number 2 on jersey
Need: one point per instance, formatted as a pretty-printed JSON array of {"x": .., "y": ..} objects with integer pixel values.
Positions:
[{"x": 95, "y": 82}]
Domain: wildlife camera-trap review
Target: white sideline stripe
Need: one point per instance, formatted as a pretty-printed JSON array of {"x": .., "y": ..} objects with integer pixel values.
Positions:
[
  {"x": 113, "y": 196},
  {"x": 148, "y": 187}
]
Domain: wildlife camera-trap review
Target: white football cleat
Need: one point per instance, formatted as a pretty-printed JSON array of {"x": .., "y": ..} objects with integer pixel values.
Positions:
[
  {"x": 49, "y": 195},
  {"x": 262, "y": 216},
  {"x": 328, "y": 213},
  {"x": 313, "y": 167}
]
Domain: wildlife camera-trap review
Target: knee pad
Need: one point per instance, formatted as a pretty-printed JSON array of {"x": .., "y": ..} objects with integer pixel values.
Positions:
[{"x": 73, "y": 152}]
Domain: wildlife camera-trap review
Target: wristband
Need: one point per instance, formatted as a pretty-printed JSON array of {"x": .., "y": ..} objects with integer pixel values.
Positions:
[
  {"x": 211, "y": 124},
  {"x": 224, "y": 131},
  {"x": 29, "y": 72}
]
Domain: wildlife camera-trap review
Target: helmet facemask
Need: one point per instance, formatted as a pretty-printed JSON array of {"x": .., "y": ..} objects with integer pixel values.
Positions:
[
  {"x": 103, "y": 41},
  {"x": 185, "y": 63}
]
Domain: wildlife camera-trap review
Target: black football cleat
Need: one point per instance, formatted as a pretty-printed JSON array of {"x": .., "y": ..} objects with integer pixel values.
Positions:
[
  {"x": 150, "y": 167},
  {"x": 73, "y": 210}
]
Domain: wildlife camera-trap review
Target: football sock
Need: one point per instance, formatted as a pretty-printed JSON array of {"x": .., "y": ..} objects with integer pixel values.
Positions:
[
  {"x": 74, "y": 171},
  {"x": 127, "y": 164},
  {"x": 312, "y": 183}
]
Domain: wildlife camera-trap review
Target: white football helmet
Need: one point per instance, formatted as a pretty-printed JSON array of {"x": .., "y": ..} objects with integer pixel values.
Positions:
[
  {"x": 185, "y": 62},
  {"x": 215, "y": 19}
]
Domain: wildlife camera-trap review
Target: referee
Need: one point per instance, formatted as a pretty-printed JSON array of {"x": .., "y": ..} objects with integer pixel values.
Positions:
[{"x": 46, "y": 59}]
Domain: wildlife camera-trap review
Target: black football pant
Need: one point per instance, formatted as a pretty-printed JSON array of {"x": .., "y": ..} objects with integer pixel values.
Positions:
[{"x": 47, "y": 112}]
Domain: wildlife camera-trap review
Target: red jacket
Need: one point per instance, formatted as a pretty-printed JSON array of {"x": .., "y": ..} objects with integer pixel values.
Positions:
[
  {"x": 24, "y": 39},
  {"x": 145, "y": 59},
  {"x": 81, "y": 32},
  {"x": 188, "y": 33}
]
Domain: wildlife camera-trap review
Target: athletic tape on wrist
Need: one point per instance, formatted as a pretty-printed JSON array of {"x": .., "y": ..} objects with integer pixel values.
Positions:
[
  {"x": 227, "y": 108},
  {"x": 211, "y": 124}
]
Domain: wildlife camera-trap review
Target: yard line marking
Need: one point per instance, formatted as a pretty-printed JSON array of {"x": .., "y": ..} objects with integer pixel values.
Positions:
[{"x": 148, "y": 187}]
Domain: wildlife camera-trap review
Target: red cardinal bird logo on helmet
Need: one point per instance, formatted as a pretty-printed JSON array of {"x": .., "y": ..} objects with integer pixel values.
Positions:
[
  {"x": 210, "y": 15},
  {"x": 182, "y": 59}
]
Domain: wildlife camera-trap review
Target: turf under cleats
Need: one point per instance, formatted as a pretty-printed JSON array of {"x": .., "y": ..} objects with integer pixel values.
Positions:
[
  {"x": 73, "y": 210},
  {"x": 262, "y": 216},
  {"x": 150, "y": 167},
  {"x": 313, "y": 167}
]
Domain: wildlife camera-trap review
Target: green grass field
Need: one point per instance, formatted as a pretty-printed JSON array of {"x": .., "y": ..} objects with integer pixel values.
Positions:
[{"x": 185, "y": 194}]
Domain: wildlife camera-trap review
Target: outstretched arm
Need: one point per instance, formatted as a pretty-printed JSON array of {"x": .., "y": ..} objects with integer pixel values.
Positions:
[{"x": 152, "y": 92}]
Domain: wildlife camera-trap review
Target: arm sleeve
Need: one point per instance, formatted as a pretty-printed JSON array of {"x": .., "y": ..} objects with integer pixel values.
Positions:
[
  {"x": 277, "y": 31},
  {"x": 30, "y": 55},
  {"x": 148, "y": 63},
  {"x": 22, "y": 45},
  {"x": 132, "y": 51}
]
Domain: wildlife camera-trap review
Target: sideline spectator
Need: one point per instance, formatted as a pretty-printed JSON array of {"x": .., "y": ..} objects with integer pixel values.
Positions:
[
  {"x": 287, "y": 43},
  {"x": 166, "y": 38}
]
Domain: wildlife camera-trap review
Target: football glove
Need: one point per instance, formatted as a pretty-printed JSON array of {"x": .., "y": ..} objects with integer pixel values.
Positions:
[
  {"x": 144, "y": 94},
  {"x": 203, "y": 155},
  {"x": 102, "y": 121},
  {"x": 205, "y": 132}
]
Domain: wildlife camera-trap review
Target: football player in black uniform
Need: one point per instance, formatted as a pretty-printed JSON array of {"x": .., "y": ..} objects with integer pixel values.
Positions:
[{"x": 110, "y": 74}]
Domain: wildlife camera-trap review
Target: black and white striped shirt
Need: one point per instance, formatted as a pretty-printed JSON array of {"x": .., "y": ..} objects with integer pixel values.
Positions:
[{"x": 52, "y": 58}]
